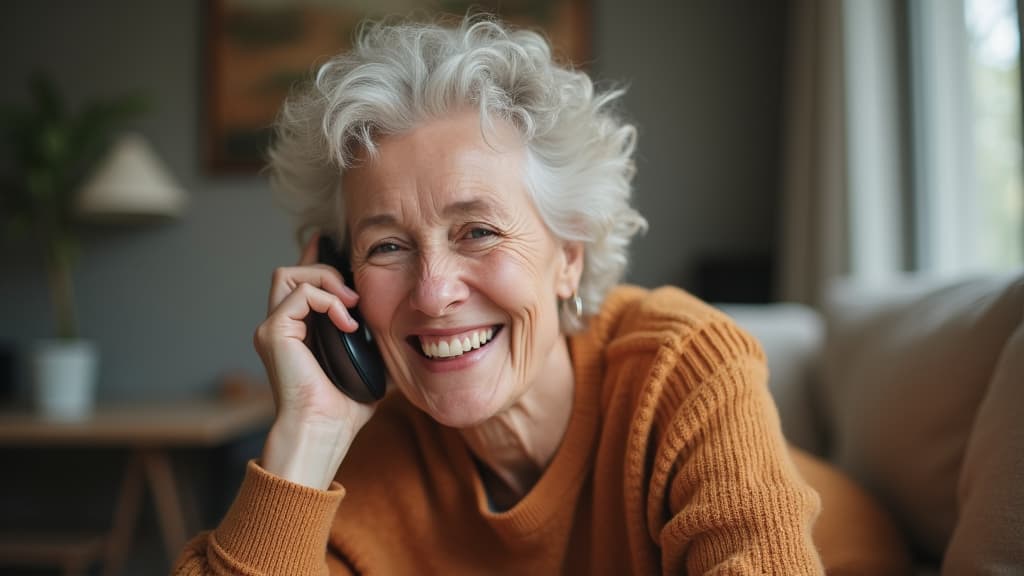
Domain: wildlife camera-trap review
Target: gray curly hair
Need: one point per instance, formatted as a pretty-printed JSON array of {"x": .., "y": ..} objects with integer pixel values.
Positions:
[{"x": 579, "y": 151}]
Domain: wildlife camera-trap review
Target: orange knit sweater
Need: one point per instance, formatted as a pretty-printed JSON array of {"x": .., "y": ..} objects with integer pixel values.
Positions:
[{"x": 673, "y": 462}]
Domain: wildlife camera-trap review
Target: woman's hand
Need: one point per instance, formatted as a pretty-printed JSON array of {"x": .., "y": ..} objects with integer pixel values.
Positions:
[{"x": 315, "y": 423}]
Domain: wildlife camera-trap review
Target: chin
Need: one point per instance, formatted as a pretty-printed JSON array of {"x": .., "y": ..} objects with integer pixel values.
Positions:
[{"x": 460, "y": 409}]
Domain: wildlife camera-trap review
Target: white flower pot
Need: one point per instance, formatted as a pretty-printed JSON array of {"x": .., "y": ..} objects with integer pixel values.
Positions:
[{"x": 64, "y": 378}]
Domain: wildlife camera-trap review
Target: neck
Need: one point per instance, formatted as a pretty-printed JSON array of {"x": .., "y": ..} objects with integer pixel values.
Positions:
[{"x": 517, "y": 445}]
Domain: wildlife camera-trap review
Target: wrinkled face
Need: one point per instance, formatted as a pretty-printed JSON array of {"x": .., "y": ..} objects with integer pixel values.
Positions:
[{"x": 458, "y": 276}]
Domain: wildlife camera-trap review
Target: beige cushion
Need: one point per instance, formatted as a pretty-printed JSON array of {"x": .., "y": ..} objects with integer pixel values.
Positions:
[
  {"x": 989, "y": 533},
  {"x": 905, "y": 371}
]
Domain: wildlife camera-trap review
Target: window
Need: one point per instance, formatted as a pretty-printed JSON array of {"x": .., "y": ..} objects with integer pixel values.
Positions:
[
  {"x": 993, "y": 42},
  {"x": 965, "y": 106}
]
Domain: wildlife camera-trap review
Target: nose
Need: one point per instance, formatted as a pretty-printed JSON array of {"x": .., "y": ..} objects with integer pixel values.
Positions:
[{"x": 439, "y": 287}]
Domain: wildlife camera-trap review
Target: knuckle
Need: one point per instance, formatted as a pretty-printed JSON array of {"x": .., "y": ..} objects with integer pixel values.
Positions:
[
  {"x": 279, "y": 275},
  {"x": 259, "y": 336}
]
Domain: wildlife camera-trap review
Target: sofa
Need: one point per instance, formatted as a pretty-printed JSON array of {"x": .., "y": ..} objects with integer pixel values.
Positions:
[{"x": 916, "y": 391}]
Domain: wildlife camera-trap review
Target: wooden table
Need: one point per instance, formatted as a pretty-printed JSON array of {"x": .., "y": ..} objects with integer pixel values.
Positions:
[{"x": 149, "y": 432}]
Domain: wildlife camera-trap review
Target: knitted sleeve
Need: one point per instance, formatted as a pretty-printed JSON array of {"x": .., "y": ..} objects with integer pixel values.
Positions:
[
  {"x": 715, "y": 483},
  {"x": 273, "y": 527}
]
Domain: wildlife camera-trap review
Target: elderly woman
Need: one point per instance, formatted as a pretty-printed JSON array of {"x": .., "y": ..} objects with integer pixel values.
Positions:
[{"x": 541, "y": 419}]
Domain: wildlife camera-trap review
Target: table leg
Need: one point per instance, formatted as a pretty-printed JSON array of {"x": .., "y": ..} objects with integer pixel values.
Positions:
[
  {"x": 125, "y": 514},
  {"x": 167, "y": 499}
]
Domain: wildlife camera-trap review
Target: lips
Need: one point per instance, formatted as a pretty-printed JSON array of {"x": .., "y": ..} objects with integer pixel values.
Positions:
[{"x": 454, "y": 345}]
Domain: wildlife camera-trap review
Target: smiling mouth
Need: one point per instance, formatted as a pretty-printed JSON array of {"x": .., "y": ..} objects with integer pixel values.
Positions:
[{"x": 446, "y": 347}]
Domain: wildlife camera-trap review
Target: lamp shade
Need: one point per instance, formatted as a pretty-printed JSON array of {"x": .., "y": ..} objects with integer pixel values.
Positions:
[{"x": 130, "y": 183}]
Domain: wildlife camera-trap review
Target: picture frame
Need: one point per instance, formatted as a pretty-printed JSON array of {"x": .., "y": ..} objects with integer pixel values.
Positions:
[{"x": 258, "y": 50}]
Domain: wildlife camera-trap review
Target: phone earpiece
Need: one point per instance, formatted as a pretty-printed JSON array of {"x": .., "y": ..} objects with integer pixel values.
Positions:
[{"x": 351, "y": 360}]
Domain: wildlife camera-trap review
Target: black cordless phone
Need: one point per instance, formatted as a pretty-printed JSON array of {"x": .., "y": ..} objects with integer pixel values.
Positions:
[{"x": 351, "y": 360}]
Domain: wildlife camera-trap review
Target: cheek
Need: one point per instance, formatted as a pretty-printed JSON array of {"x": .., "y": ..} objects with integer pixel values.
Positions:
[
  {"x": 380, "y": 292},
  {"x": 524, "y": 288},
  {"x": 380, "y": 295}
]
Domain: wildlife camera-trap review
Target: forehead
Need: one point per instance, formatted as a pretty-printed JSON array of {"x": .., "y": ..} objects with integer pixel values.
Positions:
[{"x": 438, "y": 163}]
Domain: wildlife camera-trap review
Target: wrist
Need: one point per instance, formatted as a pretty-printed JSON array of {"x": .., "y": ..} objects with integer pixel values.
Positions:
[{"x": 304, "y": 453}]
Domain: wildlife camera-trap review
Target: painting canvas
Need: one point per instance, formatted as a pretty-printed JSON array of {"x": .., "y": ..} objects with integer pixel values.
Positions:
[{"x": 257, "y": 50}]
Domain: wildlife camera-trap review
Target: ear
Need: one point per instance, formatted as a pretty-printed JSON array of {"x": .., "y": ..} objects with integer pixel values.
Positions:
[{"x": 570, "y": 268}]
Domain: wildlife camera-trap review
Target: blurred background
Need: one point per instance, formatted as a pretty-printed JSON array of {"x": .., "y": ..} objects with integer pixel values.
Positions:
[{"x": 781, "y": 144}]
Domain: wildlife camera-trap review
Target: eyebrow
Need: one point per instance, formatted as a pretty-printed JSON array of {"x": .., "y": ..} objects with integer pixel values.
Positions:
[
  {"x": 373, "y": 221},
  {"x": 460, "y": 208},
  {"x": 467, "y": 207}
]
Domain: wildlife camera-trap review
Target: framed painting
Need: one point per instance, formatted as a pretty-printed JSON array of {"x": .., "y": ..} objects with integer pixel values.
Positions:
[{"x": 257, "y": 50}]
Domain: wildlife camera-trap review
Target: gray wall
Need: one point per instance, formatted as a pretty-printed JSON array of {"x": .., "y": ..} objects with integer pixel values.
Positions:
[
  {"x": 706, "y": 83},
  {"x": 174, "y": 306}
]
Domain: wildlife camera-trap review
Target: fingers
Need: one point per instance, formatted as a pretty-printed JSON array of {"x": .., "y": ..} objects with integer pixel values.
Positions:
[
  {"x": 286, "y": 280},
  {"x": 293, "y": 309}
]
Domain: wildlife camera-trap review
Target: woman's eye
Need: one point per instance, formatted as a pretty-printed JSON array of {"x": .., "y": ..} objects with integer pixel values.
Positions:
[
  {"x": 384, "y": 248},
  {"x": 477, "y": 233}
]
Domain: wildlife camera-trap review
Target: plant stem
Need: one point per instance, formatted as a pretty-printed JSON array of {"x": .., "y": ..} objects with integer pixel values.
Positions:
[{"x": 62, "y": 293}]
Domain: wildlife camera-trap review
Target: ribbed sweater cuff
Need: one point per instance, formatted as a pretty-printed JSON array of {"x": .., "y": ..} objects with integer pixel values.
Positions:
[{"x": 276, "y": 526}]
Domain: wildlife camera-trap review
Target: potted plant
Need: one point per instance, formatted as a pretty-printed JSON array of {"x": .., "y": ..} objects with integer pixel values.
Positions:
[{"x": 50, "y": 148}]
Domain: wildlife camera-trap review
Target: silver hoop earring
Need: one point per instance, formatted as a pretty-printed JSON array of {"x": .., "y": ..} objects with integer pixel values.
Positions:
[{"x": 574, "y": 306}]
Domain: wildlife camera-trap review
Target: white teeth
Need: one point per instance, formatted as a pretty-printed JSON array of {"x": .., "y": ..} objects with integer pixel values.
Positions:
[{"x": 456, "y": 346}]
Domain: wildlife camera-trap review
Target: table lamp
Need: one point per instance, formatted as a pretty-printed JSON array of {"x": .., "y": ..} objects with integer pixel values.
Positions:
[{"x": 130, "y": 184}]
